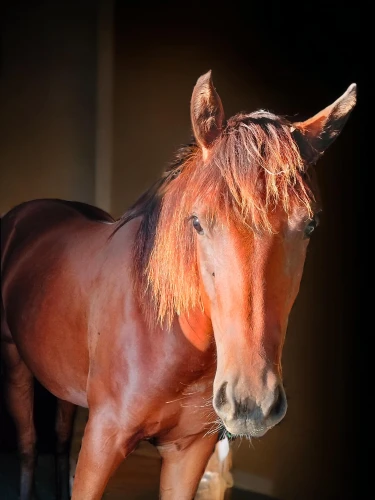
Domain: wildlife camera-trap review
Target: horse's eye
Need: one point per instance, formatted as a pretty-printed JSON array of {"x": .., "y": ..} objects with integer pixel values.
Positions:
[
  {"x": 311, "y": 225},
  {"x": 197, "y": 225}
]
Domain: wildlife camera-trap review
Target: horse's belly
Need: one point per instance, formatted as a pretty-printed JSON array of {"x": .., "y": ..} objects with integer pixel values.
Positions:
[
  {"x": 52, "y": 363},
  {"x": 48, "y": 324},
  {"x": 71, "y": 391}
]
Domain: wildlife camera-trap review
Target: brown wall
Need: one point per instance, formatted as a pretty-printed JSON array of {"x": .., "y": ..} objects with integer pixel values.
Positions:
[{"x": 48, "y": 84}]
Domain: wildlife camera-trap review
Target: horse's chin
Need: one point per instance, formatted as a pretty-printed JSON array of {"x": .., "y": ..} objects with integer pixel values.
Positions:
[{"x": 245, "y": 429}]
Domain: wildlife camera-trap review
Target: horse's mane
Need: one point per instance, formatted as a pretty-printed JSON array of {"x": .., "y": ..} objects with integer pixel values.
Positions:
[{"x": 254, "y": 167}]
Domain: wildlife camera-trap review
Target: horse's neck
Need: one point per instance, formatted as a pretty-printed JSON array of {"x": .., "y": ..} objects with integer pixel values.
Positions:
[{"x": 195, "y": 325}]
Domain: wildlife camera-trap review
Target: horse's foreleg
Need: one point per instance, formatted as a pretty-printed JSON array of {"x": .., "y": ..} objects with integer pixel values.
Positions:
[
  {"x": 19, "y": 395},
  {"x": 217, "y": 477},
  {"x": 104, "y": 446},
  {"x": 183, "y": 467},
  {"x": 64, "y": 427}
]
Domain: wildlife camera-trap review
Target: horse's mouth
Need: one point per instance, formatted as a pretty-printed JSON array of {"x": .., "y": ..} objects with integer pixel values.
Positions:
[{"x": 244, "y": 429}]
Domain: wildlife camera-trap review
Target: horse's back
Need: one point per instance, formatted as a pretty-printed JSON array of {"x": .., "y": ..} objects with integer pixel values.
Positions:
[{"x": 27, "y": 221}]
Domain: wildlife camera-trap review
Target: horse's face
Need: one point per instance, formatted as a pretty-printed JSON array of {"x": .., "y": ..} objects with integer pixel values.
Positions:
[
  {"x": 250, "y": 282},
  {"x": 250, "y": 279}
]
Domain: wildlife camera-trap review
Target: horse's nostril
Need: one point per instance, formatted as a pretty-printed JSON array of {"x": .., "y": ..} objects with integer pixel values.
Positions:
[
  {"x": 279, "y": 403},
  {"x": 221, "y": 396}
]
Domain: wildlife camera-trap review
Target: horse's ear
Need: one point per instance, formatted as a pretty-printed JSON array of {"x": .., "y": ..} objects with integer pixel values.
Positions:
[
  {"x": 207, "y": 114},
  {"x": 313, "y": 136}
]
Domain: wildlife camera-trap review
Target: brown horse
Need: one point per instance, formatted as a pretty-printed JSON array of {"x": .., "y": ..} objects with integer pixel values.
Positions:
[{"x": 168, "y": 324}]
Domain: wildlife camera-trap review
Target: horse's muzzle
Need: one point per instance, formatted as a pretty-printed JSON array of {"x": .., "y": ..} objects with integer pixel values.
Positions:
[{"x": 246, "y": 416}]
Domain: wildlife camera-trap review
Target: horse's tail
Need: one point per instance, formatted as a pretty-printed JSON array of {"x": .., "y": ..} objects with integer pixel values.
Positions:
[
  {"x": 7, "y": 230},
  {"x": 2, "y": 246}
]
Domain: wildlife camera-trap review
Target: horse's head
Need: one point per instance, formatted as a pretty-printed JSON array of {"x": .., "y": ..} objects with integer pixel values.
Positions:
[
  {"x": 234, "y": 228},
  {"x": 251, "y": 250}
]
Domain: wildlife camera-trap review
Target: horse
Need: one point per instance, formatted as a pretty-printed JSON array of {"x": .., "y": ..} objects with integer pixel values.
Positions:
[{"x": 168, "y": 323}]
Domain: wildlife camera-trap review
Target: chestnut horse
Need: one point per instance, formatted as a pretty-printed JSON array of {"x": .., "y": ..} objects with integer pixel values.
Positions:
[{"x": 169, "y": 323}]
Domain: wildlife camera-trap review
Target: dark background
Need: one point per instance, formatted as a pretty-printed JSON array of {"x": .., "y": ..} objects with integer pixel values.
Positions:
[
  {"x": 295, "y": 58},
  {"x": 291, "y": 58}
]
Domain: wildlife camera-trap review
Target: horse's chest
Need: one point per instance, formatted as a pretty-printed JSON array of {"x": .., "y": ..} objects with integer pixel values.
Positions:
[{"x": 190, "y": 409}]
